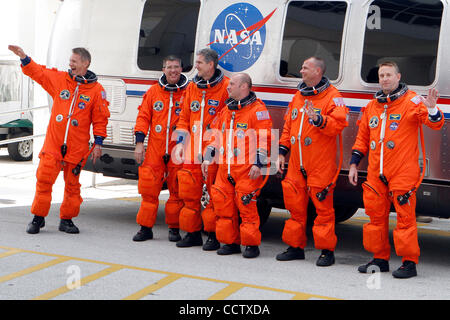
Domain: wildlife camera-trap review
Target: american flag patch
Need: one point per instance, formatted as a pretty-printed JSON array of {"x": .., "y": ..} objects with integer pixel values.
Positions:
[
  {"x": 417, "y": 99},
  {"x": 262, "y": 115},
  {"x": 339, "y": 101}
]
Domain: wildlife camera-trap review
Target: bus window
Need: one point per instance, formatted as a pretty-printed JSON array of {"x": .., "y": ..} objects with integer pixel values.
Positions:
[
  {"x": 313, "y": 28},
  {"x": 406, "y": 32},
  {"x": 167, "y": 27},
  {"x": 10, "y": 84}
]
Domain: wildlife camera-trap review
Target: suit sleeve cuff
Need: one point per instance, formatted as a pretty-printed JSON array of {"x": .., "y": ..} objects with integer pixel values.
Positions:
[
  {"x": 283, "y": 150},
  {"x": 140, "y": 136},
  {"x": 181, "y": 137},
  {"x": 261, "y": 158},
  {"x": 98, "y": 140},
  {"x": 318, "y": 122},
  {"x": 436, "y": 117},
  {"x": 356, "y": 157},
  {"x": 25, "y": 61}
]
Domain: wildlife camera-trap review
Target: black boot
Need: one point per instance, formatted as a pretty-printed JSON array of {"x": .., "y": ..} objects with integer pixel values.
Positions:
[
  {"x": 66, "y": 225},
  {"x": 211, "y": 243},
  {"x": 228, "y": 249},
  {"x": 191, "y": 239},
  {"x": 36, "y": 224},
  {"x": 174, "y": 234},
  {"x": 325, "y": 259},
  {"x": 376, "y": 265},
  {"x": 291, "y": 254},
  {"x": 251, "y": 252},
  {"x": 145, "y": 233},
  {"x": 407, "y": 270}
]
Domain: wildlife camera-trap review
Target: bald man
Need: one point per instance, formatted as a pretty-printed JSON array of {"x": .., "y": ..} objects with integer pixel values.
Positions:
[
  {"x": 316, "y": 116},
  {"x": 240, "y": 145}
]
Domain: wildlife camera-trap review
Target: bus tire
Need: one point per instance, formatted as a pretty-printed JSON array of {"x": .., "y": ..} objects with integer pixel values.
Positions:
[
  {"x": 22, "y": 150},
  {"x": 264, "y": 210},
  {"x": 344, "y": 212},
  {"x": 341, "y": 213}
]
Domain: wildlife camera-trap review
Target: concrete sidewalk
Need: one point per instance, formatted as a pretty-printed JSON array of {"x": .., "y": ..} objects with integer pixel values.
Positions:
[{"x": 18, "y": 184}]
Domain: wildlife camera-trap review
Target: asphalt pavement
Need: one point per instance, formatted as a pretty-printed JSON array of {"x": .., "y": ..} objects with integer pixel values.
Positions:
[{"x": 102, "y": 262}]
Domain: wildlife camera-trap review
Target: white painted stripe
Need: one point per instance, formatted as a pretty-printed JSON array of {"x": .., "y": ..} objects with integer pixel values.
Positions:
[
  {"x": 137, "y": 87},
  {"x": 274, "y": 96}
]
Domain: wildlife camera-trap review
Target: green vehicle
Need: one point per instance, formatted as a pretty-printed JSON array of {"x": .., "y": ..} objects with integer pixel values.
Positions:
[{"x": 15, "y": 120}]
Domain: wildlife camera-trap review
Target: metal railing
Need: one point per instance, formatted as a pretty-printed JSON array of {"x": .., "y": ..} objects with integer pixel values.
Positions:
[{"x": 24, "y": 138}]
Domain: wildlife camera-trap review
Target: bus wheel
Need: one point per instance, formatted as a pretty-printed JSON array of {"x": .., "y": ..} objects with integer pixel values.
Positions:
[
  {"x": 264, "y": 210},
  {"x": 22, "y": 150},
  {"x": 344, "y": 212},
  {"x": 341, "y": 213}
]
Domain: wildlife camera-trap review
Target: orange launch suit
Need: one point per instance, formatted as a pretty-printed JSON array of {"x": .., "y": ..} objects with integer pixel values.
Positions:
[
  {"x": 89, "y": 106},
  {"x": 403, "y": 117},
  {"x": 211, "y": 96},
  {"x": 318, "y": 147},
  {"x": 249, "y": 127},
  {"x": 160, "y": 101}
]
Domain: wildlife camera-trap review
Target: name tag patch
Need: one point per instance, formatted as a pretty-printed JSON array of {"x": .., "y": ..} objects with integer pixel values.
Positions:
[
  {"x": 86, "y": 98},
  {"x": 395, "y": 116},
  {"x": 213, "y": 103}
]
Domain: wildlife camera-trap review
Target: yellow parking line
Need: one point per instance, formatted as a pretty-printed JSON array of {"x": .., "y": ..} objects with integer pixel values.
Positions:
[
  {"x": 132, "y": 199},
  {"x": 10, "y": 253},
  {"x": 227, "y": 291},
  {"x": 138, "y": 199},
  {"x": 153, "y": 287},
  {"x": 301, "y": 296},
  {"x": 85, "y": 280},
  {"x": 33, "y": 269},
  {"x": 171, "y": 276}
]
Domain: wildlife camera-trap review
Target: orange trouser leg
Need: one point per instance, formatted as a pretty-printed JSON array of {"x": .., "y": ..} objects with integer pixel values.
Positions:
[
  {"x": 208, "y": 214},
  {"x": 249, "y": 228},
  {"x": 174, "y": 204},
  {"x": 227, "y": 225},
  {"x": 296, "y": 202},
  {"x": 149, "y": 186},
  {"x": 376, "y": 232},
  {"x": 323, "y": 229},
  {"x": 70, "y": 207},
  {"x": 46, "y": 174},
  {"x": 190, "y": 184},
  {"x": 405, "y": 234}
]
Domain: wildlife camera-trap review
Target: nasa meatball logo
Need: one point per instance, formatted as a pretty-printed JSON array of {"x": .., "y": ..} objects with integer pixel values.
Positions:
[{"x": 238, "y": 36}]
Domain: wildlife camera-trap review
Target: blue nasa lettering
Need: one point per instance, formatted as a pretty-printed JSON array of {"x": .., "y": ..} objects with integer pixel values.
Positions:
[{"x": 238, "y": 35}]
